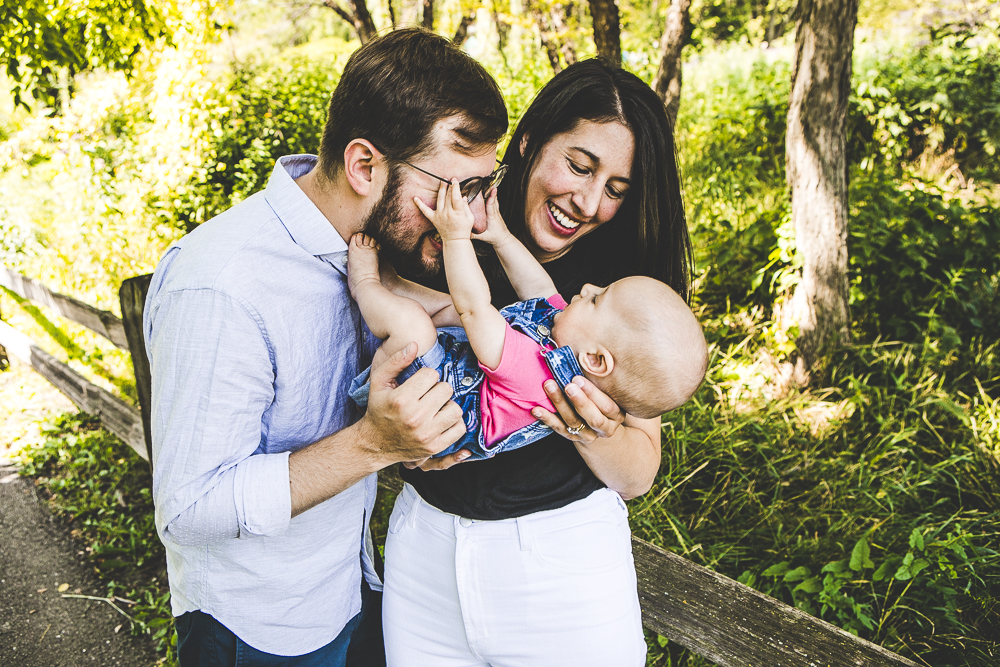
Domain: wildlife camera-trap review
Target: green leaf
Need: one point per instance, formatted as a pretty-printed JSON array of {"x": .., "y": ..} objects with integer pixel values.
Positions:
[
  {"x": 797, "y": 574},
  {"x": 860, "y": 556},
  {"x": 776, "y": 570},
  {"x": 810, "y": 585},
  {"x": 662, "y": 641},
  {"x": 881, "y": 572},
  {"x": 917, "y": 540},
  {"x": 837, "y": 567}
]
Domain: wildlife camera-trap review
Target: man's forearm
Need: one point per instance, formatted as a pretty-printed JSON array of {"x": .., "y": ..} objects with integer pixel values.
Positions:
[{"x": 332, "y": 465}]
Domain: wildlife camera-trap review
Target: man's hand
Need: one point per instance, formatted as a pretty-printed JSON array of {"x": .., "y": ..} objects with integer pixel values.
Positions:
[{"x": 414, "y": 420}]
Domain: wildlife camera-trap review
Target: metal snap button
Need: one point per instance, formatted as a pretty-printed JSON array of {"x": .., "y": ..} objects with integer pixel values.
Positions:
[
  {"x": 543, "y": 330},
  {"x": 467, "y": 381},
  {"x": 465, "y": 522}
]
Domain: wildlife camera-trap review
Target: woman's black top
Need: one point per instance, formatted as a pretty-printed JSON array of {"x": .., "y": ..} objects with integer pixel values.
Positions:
[{"x": 545, "y": 475}]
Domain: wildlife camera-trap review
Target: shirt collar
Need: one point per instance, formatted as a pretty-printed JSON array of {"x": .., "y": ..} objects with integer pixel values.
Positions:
[{"x": 307, "y": 226}]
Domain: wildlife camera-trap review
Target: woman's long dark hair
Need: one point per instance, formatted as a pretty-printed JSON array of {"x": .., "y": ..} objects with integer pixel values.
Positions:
[{"x": 648, "y": 236}]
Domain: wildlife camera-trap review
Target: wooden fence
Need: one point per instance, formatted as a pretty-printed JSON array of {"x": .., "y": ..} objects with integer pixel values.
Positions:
[{"x": 712, "y": 615}]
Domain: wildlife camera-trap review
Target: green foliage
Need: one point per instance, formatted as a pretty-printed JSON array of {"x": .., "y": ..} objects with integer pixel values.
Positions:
[
  {"x": 266, "y": 111},
  {"x": 873, "y": 505},
  {"x": 922, "y": 264},
  {"x": 38, "y": 38},
  {"x": 98, "y": 485},
  {"x": 942, "y": 99}
]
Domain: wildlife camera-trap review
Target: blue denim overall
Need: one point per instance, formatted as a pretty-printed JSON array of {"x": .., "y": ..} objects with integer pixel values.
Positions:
[{"x": 455, "y": 362}]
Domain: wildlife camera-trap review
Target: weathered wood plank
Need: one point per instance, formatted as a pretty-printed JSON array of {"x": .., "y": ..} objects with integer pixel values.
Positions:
[
  {"x": 99, "y": 321},
  {"x": 117, "y": 416},
  {"x": 132, "y": 297},
  {"x": 389, "y": 479},
  {"x": 734, "y": 625}
]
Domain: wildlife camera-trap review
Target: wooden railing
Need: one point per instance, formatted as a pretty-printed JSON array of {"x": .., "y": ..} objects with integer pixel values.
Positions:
[{"x": 702, "y": 610}]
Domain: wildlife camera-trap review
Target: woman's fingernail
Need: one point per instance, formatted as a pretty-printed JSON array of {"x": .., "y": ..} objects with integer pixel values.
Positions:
[
  {"x": 461, "y": 456},
  {"x": 578, "y": 381},
  {"x": 572, "y": 389}
]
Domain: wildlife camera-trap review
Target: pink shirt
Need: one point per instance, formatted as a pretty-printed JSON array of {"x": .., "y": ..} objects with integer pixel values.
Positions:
[{"x": 511, "y": 390}]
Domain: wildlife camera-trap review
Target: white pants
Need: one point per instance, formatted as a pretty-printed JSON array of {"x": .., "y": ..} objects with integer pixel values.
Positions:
[{"x": 549, "y": 589}]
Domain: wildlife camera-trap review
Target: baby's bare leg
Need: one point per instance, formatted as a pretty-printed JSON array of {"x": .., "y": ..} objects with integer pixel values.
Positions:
[{"x": 395, "y": 319}]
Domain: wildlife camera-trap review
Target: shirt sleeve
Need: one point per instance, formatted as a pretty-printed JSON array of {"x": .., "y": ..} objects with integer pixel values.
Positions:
[{"x": 213, "y": 381}]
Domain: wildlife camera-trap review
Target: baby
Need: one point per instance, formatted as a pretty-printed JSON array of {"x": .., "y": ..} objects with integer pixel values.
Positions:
[{"x": 636, "y": 339}]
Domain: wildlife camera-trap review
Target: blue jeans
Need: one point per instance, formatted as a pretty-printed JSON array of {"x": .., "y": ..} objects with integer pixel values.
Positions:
[{"x": 204, "y": 642}]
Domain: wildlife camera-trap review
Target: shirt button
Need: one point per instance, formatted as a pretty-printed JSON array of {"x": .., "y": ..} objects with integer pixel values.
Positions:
[
  {"x": 467, "y": 381},
  {"x": 465, "y": 522},
  {"x": 543, "y": 330}
]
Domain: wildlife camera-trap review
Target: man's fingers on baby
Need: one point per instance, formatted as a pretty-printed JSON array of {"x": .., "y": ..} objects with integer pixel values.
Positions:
[
  {"x": 425, "y": 386},
  {"x": 385, "y": 374}
]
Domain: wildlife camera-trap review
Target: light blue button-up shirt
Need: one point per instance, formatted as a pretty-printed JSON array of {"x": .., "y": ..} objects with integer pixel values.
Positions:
[{"x": 253, "y": 341}]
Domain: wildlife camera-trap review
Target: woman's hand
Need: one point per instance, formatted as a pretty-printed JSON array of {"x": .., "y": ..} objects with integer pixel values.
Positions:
[
  {"x": 441, "y": 463},
  {"x": 585, "y": 413}
]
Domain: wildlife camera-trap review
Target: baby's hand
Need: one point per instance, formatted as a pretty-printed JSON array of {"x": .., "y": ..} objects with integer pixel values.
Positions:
[
  {"x": 453, "y": 218},
  {"x": 496, "y": 229}
]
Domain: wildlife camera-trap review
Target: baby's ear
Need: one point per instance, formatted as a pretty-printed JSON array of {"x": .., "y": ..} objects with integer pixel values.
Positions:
[{"x": 598, "y": 362}]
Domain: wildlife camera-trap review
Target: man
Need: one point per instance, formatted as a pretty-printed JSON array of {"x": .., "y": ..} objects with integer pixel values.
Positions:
[{"x": 263, "y": 480}]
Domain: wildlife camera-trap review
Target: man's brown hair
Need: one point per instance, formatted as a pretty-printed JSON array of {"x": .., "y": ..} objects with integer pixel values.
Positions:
[{"x": 396, "y": 87}]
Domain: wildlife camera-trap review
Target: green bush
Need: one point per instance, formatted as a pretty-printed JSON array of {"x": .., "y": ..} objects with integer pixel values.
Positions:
[
  {"x": 267, "y": 110},
  {"x": 922, "y": 264}
]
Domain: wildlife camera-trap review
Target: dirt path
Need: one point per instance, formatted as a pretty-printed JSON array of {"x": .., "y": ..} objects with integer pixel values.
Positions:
[{"x": 39, "y": 627}]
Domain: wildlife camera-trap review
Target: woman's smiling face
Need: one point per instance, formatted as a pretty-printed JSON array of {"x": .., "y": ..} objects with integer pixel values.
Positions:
[{"x": 578, "y": 182}]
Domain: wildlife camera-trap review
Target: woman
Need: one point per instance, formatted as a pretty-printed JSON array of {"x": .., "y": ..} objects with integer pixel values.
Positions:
[{"x": 525, "y": 559}]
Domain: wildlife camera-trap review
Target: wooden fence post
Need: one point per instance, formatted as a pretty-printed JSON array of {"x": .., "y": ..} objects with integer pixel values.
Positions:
[{"x": 132, "y": 297}]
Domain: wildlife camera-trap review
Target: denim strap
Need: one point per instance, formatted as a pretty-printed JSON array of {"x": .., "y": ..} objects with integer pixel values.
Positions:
[{"x": 562, "y": 362}]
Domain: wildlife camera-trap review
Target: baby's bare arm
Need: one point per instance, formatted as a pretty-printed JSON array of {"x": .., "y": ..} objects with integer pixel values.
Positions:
[
  {"x": 437, "y": 305},
  {"x": 470, "y": 292},
  {"x": 395, "y": 319},
  {"x": 529, "y": 279}
]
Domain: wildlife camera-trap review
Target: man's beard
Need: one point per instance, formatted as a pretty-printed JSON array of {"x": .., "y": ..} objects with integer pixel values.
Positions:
[{"x": 384, "y": 223}]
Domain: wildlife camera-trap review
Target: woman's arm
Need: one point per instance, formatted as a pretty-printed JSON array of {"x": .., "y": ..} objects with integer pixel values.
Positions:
[{"x": 621, "y": 450}]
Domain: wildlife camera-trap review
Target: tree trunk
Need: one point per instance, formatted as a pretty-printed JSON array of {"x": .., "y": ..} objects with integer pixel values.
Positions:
[
  {"x": 462, "y": 31},
  {"x": 359, "y": 17},
  {"x": 668, "y": 76},
  {"x": 552, "y": 30},
  {"x": 428, "y": 18},
  {"x": 817, "y": 172},
  {"x": 607, "y": 29}
]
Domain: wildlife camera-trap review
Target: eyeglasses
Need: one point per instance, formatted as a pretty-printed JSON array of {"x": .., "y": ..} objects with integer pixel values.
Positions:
[{"x": 471, "y": 187}]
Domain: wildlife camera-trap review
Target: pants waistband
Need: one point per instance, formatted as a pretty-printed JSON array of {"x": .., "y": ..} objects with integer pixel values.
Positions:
[{"x": 601, "y": 504}]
